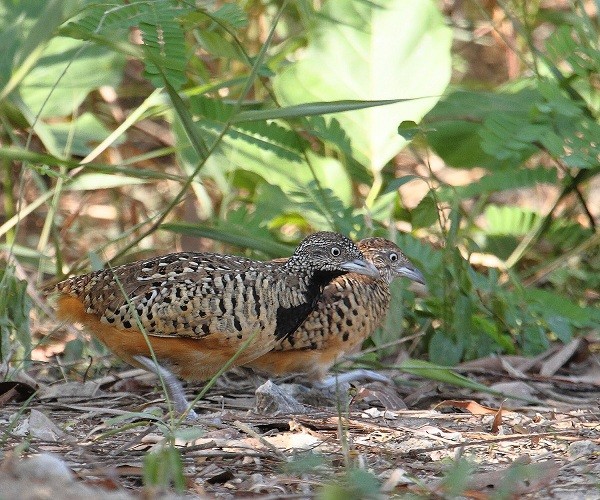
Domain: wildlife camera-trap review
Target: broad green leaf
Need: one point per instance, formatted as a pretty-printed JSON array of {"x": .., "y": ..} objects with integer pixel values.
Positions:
[
  {"x": 66, "y": 73},
  {"x": 561, "y": 328},
  {"x": 425, "y": 213},
  {"x": 391, "y": 49},
  {"x": 444, "y": 350},
  {"x": 25, "y": 28},
  {"x": 551, "y": 304},
  {"x": 78, "y": 137}
]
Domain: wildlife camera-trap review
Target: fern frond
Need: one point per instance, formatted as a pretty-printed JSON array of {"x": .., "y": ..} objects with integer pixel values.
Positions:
[
  {"x": 500, "y": 181},
  {"x": 510, "y": 220},
  {"x": 330, "y": 132},
  {"x": 158, "y": 23},
  {"x": 269, "y": 136},
  {"x": 325, "y": 210},
  {"x": 232, "y": 15}
]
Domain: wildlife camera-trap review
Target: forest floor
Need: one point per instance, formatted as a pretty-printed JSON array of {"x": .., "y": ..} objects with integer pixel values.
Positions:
[{"x": 415, "y": 437}]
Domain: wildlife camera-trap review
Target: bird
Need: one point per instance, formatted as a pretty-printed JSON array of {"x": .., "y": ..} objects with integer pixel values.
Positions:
[
  {"x": 185, "y": 315},
  {"x": 351, "y": 307}
]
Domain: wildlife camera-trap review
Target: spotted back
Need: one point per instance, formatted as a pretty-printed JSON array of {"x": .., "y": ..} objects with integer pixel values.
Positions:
[{"x": 229, "y": 297}]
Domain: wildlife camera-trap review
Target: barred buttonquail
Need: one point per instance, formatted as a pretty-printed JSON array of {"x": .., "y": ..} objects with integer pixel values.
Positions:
[
  {"x": 350, "y": 309},
  {"x": 197, "y": 309}
]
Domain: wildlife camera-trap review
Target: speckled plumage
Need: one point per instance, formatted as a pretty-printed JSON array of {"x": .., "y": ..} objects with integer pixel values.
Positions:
[
  {"x": 351, "y": 308},
  {"x": 198, "y": 308}
]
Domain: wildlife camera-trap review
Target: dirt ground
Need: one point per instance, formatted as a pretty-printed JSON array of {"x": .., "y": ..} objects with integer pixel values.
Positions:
[{"x": 413, "y": 437}]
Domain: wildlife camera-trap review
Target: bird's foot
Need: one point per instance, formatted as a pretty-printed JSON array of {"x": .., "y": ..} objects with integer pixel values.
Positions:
[{"x": 352, "y": 376}]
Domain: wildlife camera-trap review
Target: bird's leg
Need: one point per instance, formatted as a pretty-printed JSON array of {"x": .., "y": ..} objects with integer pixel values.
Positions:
[
  {"x": 172, "y": 385},
  {"x": 352, "y": 376}
]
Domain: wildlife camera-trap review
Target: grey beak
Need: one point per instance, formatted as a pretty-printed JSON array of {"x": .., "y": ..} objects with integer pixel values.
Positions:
[
  {"x": 411, "y": 273},
  {"x": 361, "y": 267}
]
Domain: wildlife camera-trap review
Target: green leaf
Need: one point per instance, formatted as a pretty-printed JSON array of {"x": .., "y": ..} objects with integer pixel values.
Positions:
[
  {"x": 509, "y": 137},
  {"x": 66, "y": 73},
  {"x": 161, "y": 31},
  {"x": 551, "y": 304},
  {"x": 443, "y": 350},
  {"x": 330, "y": 132},
  {"x": 15, "y": 305},
  {"x": 314, "y": 109},
  {"x": 164, "y": 42},
  {"x": 394, "y": 321},
  {"x": 218, "y": 45},
  {"x": 427, "y": 258},
  {"x": 268, "y": 150},
  {"x": 455, "y": 125},
  {"x": 444, "y": 374},
  {"x": 425, "y": 213},
  {"x": 396, "y": 183},
  {"x": 391, "y": 49},
  {"x": 25, "y": 29},
  {"x": 232, "y": 15},
  {"x": 240, "y": 235},
  {"x": 324, "y": 210},
  {"x": 509, "y": 220},
  {"x": 163, "y": 467},
  {"x": 408, "y": 129},
  {"x": 78, "y": 137},
  {"x": 561, "y": 328},
  {"x": 501, "y": 180}
]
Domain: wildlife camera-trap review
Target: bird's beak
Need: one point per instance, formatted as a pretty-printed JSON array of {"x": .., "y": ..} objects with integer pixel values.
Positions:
[
  {"x": 411, "y": 273},
  {"x": 361, "y": 267}
]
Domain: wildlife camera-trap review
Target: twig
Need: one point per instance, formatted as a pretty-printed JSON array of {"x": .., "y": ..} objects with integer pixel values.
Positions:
[
  {"x": 485, "y": 442},
  {"x": 245, "y": 428}
]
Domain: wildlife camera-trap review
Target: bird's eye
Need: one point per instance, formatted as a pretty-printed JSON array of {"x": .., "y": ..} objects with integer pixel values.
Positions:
[
  {"x": 335, "y": 251},
  {"x": 393, "y": 257}
]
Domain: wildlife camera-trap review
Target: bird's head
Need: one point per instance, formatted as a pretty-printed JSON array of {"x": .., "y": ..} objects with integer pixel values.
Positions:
[
  {"x": 389, "y": 260},
  {"x": 331, "y": 253}
]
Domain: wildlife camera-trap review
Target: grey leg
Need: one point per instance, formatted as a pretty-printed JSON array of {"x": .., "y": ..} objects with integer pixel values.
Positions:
[
  {"x": 352, "y": 376},
  {"x": 172, "y": 384}
]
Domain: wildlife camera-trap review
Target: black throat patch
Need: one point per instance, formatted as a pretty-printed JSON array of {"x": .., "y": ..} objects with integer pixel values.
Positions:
[{"x": 290, "y": 318}]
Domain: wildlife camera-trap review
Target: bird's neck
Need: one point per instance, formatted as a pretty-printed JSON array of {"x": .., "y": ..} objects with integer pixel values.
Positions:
[{"x": 290, "y": 318}]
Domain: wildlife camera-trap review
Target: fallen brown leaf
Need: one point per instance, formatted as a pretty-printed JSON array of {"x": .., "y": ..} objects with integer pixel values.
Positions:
[
  {"x": 497, "y": 421},
  {"x": 471, "y": 406}
]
